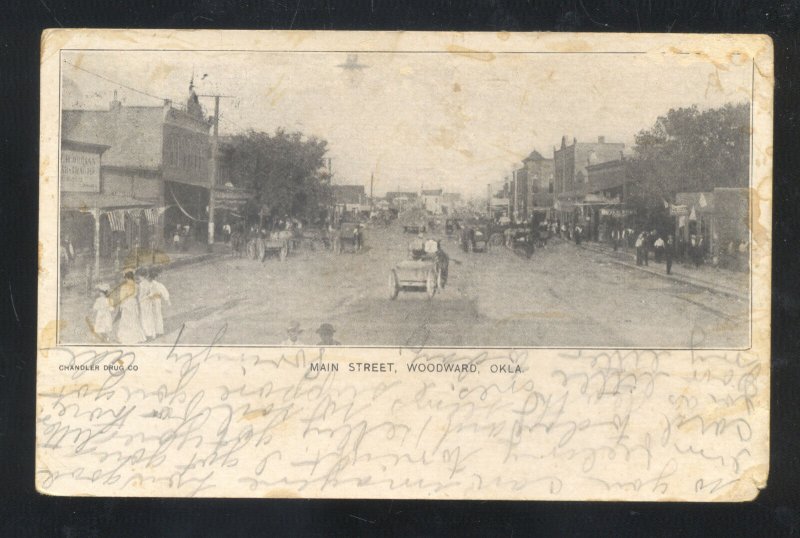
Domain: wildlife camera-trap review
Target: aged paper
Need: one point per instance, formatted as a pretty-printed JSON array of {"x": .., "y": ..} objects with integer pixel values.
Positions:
[{"x": 404, "y": 265}]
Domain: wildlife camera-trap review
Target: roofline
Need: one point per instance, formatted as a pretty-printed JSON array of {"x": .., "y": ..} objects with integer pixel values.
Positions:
[{"x": 79, "y": 144}]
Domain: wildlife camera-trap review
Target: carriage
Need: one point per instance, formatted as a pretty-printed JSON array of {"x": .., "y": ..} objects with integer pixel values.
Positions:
[
  {"x": 521, "y": 241},
  {"x": 274, "y": 244},
  {"x": 424, "y": 271},
  {"x": 474, "y": 238},
  {"x": 349, "y": 235}
]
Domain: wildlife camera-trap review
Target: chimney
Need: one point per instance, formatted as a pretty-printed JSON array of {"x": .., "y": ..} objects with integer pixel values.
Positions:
[{"x": 601, "y": 139}]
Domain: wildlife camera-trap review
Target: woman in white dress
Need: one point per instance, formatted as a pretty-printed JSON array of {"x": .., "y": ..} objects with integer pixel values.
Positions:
[
  {"x": 158, "y": 293},
  {"x": 145, "y": 303},
  {"x": 129, "y": 330},
  {"x": 103, "y": 310}
]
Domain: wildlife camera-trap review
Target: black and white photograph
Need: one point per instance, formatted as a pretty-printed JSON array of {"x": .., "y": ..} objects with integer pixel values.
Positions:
[
  {"x": 453, "y": 199},
  {"x": 404, "y": 265}
]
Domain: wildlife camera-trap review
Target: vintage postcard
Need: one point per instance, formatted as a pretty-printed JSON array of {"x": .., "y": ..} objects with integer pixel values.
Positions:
[{"x": 404, "y": 265}]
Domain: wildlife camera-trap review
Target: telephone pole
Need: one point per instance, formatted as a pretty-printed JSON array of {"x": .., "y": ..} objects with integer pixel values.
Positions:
[
  {"x": 214, "y": 172},
  {"x": 371, "y": 184}
]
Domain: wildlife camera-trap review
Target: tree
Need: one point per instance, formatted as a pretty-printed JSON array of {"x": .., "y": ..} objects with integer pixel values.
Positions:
[
  {"x": 285, "y": 170},
  {"x": 689, "y": 150}
]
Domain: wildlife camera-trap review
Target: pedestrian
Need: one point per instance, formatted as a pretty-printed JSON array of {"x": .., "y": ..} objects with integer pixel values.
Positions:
[
  {"x": 578, "y": 233},
  {"x": 325, "y": 333},
  {"x": 615, "y": 238},
  {"x": 696, "y": 249},
  {"x": 145, "y": 303},
  {"x": 646, "y": 248},
  {"x": 669, "y": 252},
  {"x": 658, "y": 246},
  {"x": 158, "y": 296},
  {"x": 293, "y": 334},
  {"x": 640, "y": 249},
  {"x": 700, "y": 251},
  {"x": 64, "y": 263},
  {"x": 129, "y": 329},
  {"x": 176, "y": 238},
  {"x": 68, "y": 248},
  {"x": 103, "y": 313}
]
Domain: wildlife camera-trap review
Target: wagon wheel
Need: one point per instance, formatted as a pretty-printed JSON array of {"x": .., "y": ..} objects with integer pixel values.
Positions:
[
  {"x": 284, "y": 252},
  {"x": 430, "y": 285},
  {"x": 496, "y": 239},
  {"x": 394, "y": 285}
]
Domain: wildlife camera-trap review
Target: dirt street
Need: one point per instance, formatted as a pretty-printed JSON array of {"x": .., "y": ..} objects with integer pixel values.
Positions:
[{"x": 563, "y": 296}]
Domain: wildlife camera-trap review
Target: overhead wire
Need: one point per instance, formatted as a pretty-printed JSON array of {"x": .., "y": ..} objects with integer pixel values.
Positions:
[{"x": 121, "y": 85}]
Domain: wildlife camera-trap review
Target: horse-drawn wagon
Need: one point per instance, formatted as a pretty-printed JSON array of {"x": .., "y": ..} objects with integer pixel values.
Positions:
[
  {"x": 474, "y": 237},
  {"x": 262, "y": 246},
  {"x": 349, "y": 235}
]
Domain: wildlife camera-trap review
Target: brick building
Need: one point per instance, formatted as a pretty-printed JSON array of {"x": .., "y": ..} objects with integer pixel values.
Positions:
[
  {"x": 571, "y": 178},
  {"x": 539, "y": 175}
]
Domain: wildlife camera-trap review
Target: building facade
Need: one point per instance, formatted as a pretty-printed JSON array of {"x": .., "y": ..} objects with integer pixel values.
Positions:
[
  {"x": 605, "y": 202},
  {"x": 539, "y": 174},
  {"x": 570, "y": 176},
  {"x": 153, "y": 177}
]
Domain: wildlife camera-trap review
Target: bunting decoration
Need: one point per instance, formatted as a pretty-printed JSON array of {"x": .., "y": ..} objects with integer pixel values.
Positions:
[
  {"x": 117, "y": 220},
  {"x": 152, "y": 214}
]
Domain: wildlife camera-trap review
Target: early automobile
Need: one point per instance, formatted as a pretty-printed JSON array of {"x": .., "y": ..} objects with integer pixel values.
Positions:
[
  {"x": 426, "y": 270},
  {"x": 349, "y": 235}
]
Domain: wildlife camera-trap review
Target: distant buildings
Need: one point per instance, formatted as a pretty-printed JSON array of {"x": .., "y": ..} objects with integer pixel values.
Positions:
[
  {"x": 349, "y": 194},
  {"x": 432, "y": 200}
]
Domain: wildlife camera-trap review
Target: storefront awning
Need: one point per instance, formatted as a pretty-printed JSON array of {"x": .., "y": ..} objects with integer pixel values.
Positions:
[{"x": 82, "y": 201}]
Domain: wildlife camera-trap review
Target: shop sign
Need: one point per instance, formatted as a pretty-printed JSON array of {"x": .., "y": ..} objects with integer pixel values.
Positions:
[
  {"x": 678, "y": 210},
  {"x": 616, "y": 213},
  {"x": 80, "y": 171}
]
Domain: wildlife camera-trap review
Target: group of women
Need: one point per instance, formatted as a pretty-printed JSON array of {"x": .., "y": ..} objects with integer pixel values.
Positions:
[{"x": 134, "y": 306}]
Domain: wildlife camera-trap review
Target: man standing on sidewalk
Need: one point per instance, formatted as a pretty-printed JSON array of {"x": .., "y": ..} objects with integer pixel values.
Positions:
[
  {"x": 640, "y": 248},
  {"x": 669, "y": 252}
]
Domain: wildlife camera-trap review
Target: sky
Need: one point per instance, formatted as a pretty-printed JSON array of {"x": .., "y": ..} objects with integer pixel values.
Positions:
[{"x": 415, "y": 120}]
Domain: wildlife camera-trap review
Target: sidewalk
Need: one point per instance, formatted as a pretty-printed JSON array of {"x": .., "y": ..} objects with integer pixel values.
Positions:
[
  {"x": 79, "y": 271},
  {"x": 725, "y": 282}
]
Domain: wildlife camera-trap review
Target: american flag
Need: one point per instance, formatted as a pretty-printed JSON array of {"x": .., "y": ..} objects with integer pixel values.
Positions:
[
  {"x": 151, "y": 214},
  {"x": 117, "y": 220}
]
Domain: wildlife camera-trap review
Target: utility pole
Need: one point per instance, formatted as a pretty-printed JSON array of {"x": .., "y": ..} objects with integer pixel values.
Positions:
[
  {"x": 516, "y": 197},
  {"x": 214, "y": 172},
  {"x": 371, "y": 184},
  {"x": 489, "y": 200}
]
